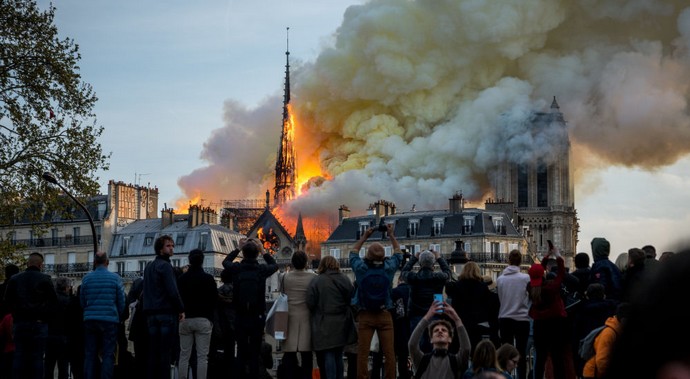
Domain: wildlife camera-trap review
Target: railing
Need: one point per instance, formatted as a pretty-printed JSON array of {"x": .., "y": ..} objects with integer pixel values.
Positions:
[
  {"x": 67, "y": 268},
  {"x": 57, "y": 241},
  {"x": 131, "y": 275},
  {"x": 501, "y": 258}
]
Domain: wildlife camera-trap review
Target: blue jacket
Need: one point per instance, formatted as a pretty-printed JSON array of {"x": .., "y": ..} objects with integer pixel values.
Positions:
[
  {"x": 359, "y": 267},
  {"x": 102, "y": 295}
]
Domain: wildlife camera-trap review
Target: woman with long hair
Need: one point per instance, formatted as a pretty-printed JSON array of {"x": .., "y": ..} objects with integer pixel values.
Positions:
[
  {"x": 549, "y": 315},
  {"x": 472, "y": 300},
  {"x": 483, "y": 360},
  {"x": 508, "y": 358},
  {"x": 332, "y": 322}
]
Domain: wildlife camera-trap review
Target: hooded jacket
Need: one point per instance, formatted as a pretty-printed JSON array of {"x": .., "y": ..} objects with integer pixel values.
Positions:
[
  {"x": 512, "y": 294},
  {"x": 604, "y": 271}
]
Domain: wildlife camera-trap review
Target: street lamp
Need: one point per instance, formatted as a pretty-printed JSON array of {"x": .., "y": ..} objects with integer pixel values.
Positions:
[{"x": 50, "y": 177}]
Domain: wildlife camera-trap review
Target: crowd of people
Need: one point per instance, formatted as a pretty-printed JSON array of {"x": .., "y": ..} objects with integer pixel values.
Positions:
[{"x": 544, "y": 322}]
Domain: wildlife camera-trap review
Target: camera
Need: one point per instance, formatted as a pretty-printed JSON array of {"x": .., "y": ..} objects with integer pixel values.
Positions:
[{"x": 382, "y": 228}]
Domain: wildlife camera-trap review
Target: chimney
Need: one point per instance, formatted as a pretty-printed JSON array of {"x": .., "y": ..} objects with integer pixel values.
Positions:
[
  {"x": 343, "y": 213},
  {"x": 457, "y": 203},
  {"x": 167, "y": 215},
  {"x": 193, "y": 218}
]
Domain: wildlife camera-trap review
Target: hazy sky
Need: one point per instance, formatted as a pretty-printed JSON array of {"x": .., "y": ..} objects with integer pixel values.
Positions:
[{"x": 168, "y": 76}]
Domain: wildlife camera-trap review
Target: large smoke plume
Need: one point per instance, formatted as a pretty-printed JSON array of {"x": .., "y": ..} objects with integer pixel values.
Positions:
[{"x": 417, "y": 100}]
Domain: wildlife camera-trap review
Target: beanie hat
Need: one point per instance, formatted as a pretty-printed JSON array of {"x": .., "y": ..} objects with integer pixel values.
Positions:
[
  {"x": 426, "y": 259},
  {"x": 536, "y": 275}
]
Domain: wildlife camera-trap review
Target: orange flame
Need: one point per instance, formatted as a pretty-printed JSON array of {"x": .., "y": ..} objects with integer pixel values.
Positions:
[
  {"x": 269, "y": 240},
  {"x": 308, "y": 167},
  {"x": 183, "y": 204}
]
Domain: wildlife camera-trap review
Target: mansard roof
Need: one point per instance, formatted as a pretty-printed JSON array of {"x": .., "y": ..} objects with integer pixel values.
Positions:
[
  {"x": 453, "y": 225},
  {"x": 220, "y": 240}
]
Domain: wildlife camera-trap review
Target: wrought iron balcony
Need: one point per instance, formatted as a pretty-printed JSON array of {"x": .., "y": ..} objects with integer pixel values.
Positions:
[{"x": 55, "y": 242}]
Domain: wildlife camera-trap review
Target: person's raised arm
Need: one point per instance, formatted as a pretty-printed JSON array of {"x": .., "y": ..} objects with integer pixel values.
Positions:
[
  {"x": 365, "y": 236},
  {"x": 391, "y": 236},
  {"x": 464, "y": 345},
  {"x": 227, "y": 262}
]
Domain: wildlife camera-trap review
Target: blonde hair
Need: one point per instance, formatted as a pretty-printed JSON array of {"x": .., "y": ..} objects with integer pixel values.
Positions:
[
  {"x": 328, "y": 263},
  {"x": 471, "y": 271}
]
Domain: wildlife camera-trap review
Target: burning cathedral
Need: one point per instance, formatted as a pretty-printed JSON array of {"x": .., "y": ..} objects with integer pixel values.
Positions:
[{"x": 249, "y": 217}]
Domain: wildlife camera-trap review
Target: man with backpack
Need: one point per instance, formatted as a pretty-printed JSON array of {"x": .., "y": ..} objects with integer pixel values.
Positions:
[
  {"x": 374, "y": 275},
  {"x": 249, "y": 300},
  {"x": 440, "y": 363}
]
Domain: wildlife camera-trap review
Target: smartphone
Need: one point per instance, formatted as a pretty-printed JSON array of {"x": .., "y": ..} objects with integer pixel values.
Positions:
[
  {"x": 438, "y": 297},
  {"x": 550, "y": 244}
]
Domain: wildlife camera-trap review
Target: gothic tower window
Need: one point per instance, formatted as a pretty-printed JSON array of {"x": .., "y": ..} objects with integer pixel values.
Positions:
[
  {"x": 523, "y": 187},
  {"x": 542, "y": 185}
]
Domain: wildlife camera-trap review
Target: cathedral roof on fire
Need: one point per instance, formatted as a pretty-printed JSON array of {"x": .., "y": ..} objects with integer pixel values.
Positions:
[
  {"x": 429, "y": 224},
  {"x": 270, "y": 227}
]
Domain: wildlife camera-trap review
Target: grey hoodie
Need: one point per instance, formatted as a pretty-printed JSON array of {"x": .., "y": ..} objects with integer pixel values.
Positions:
[{"x": 512, "y": 293}]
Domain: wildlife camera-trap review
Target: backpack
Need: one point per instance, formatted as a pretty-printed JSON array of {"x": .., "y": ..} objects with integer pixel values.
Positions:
[
  {"x": 374, "y": 289},
  {"x": 424, "y": 364},
  {"x": 586, "y": 348},
  {"x": 248, "y": 291}
]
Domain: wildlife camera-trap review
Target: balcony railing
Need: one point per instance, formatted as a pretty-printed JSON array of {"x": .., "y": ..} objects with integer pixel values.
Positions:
[
  {"x": 131, "y": 275},
  {"x": 67, "y": 268},
  {"x": 53, "y": 242},
  {"x": 484, "y": 258}
]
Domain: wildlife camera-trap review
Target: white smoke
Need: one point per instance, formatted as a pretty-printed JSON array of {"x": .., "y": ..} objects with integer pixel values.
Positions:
[{"x": 417, "y": 100}]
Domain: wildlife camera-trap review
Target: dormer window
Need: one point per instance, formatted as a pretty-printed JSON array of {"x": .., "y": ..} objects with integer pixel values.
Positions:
[
  {"x": 413, "y": 226},
  {"x": 499, "y": 227},
  {"x": 363, "y": 226},
  {"x": 468, "y": 225},
  {"x": 124, "y": 249},
  {"x": 438, "y": 225}
]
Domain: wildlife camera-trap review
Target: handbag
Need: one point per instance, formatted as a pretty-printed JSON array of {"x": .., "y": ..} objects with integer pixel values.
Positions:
[{"x": 277, "y": 319}]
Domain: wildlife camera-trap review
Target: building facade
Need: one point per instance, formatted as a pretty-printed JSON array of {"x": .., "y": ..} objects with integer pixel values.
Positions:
[
  {"x": 65, "y": 239},
  {"x": 482, "y": 235}
]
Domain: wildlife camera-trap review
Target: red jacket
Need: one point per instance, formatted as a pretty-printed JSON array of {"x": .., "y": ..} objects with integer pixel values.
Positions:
[{"x": 551, "y": 305}]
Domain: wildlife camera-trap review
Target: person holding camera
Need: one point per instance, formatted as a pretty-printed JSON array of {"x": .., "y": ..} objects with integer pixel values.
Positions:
[
  {"x": 424, "y": 284},
  {"x": 374, "y": 277}
]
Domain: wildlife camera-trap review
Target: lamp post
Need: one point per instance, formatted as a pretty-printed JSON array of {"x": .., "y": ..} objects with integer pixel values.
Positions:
[{"x": 50, "y": 177}]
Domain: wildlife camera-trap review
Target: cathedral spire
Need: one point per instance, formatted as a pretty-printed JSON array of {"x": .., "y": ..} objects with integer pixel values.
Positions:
[
  {"x": 554, "y": 104},
  {"x": 300, "y": 237},
  {"x": 285, "y": 161}
]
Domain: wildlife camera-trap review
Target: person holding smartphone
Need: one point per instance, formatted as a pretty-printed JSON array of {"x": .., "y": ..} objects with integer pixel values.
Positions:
[{"x": 549, "y": 315}]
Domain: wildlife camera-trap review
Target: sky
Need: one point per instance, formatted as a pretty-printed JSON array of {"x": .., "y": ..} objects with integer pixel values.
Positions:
[{"x": 190, "y": 95}]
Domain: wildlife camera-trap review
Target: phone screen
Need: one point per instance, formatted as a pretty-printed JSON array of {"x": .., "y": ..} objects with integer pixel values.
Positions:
[{"x": 438, "y": 298}]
